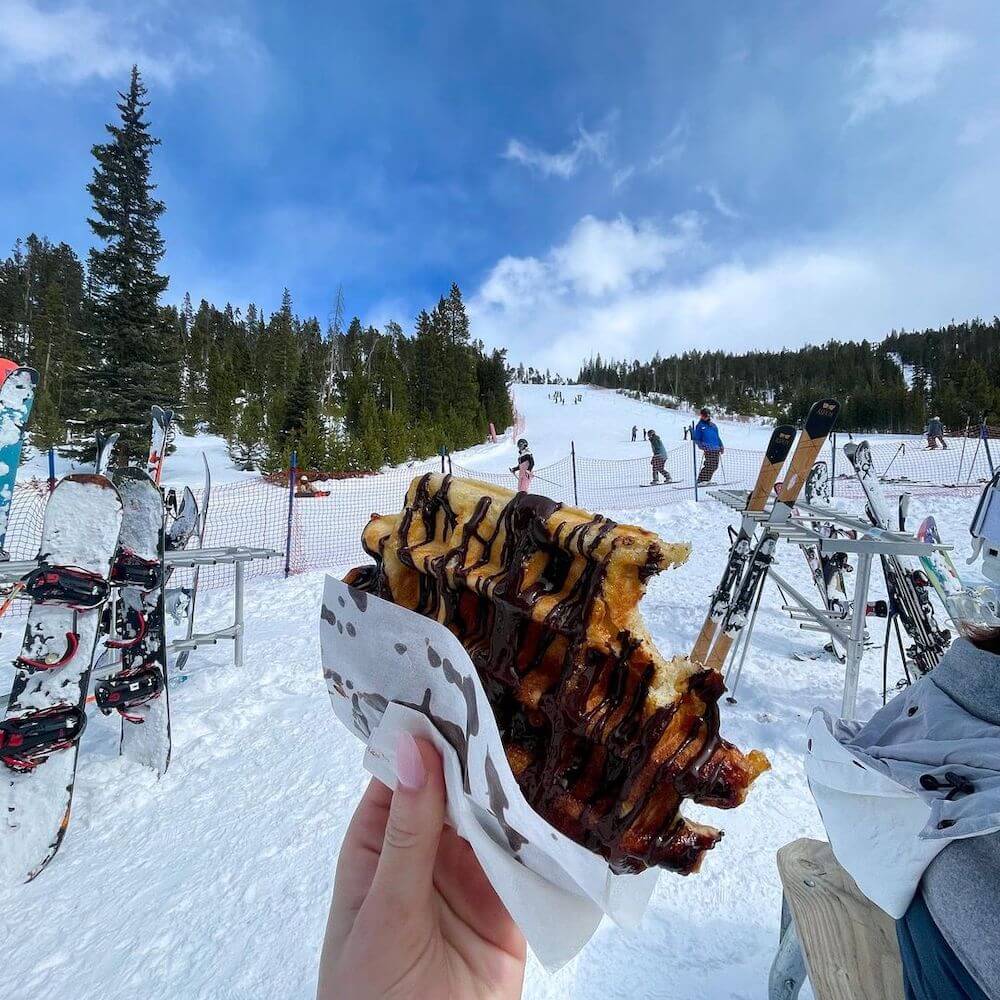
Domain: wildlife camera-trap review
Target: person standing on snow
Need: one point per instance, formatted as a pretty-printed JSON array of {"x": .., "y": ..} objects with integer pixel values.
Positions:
[
  {"x": 706, "y": 436},
  {"x": 658, "y": 459},
  {"x": 524, "y": 470},
  {"x": 635, "y": 430},
  {"x": 935, "y": 433}
]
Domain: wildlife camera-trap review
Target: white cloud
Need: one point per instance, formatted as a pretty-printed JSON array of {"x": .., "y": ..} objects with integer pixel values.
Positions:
[
  {"x": 564, "y": 164},
  {"x": 599, "y": 259},
  {"x": 77, "y": 41},
  {"x": 721, "y": 205},
  {"x": 673, "y": 146},
  {"x": 902, "y": 69},
  {"x": 629, "y": 289}
]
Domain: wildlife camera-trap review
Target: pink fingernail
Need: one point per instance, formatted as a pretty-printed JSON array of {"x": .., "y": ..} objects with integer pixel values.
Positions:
[{"x": 410, "y": 770}]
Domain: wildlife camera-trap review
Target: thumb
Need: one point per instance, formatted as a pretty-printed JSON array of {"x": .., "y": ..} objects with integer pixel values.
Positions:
[{"x": 416, "y": 818}]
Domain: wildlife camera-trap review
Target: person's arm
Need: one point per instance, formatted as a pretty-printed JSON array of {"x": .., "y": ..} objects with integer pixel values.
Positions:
[{"x": 413, "y": 914}]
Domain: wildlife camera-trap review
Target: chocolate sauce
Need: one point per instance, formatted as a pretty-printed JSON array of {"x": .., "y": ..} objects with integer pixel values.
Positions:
[{"x": 572, "y": 714}]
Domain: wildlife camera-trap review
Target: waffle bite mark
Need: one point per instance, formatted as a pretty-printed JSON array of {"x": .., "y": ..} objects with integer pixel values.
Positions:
[{"x": 605, "y": 736}]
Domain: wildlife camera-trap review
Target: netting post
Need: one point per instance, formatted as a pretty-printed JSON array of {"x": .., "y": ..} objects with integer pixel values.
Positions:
[
  {"x": 442, "y": 459},
  {"x": 572, "y": 455},
  {"x": 52, "y": 469},
  {"x": 833, "y": 462},
  {"x": 292, "y": 470},
  {"x": 694, "y": 463},
  {"x": 985, "y": 431}
]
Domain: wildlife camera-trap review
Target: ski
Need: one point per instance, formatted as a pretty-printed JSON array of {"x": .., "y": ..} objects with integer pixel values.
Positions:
[
  {"x": 138, "y": 691},
  {"x": 904, "y": 576},
  {"x": 819, "y": 422},
  {"x": 777, "y": 451},
  {"x": 206, "y": 496},
  {"x": 161, "y": 421},
  {"x": 827, "y": 570},
  {"x": 17, "y": 395},
  {"x": 40, "y": 733},
  {"x": 105, "y": 446}
]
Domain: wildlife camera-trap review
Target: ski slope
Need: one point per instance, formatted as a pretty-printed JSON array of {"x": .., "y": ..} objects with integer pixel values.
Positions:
[{"x": 215, "y": 881}]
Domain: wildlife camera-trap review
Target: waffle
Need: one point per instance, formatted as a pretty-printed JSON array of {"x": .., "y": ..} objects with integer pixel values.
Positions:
[{"x": 605, "y": 736}]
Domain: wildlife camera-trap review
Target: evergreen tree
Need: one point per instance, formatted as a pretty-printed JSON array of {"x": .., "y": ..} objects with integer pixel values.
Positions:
[{"x": 128, "y": 358}]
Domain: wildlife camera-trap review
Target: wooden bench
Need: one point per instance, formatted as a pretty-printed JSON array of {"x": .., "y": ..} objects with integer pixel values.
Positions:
[{"x": 831, "y": 932}]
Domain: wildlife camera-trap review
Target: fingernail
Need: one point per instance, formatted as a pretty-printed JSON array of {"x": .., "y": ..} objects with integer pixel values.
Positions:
[{"x": 410, "y": 770}]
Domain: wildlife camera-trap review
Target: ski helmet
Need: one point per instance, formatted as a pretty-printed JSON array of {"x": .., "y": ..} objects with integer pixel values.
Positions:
[{"x": 522, "y": 444}]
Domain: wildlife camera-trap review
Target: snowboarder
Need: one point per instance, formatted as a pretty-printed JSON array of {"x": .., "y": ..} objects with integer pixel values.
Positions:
[
  {"x": 635, "y": 430},
  {"x": 658, "y": 459},
  {"x": 935, "y": 433},
  {"x": 524, "y": 470},
  {"x": 706, "y": 436}
]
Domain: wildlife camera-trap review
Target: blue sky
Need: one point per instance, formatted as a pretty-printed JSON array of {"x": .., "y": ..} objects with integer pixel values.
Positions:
[{"x": 596, "y": 176}]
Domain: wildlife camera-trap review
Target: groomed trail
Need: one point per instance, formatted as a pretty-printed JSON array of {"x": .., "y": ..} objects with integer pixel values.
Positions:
[{"x": 215, "y": 881}]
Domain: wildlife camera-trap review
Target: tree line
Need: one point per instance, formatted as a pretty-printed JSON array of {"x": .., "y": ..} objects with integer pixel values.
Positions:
[
  {"x": 107, "y": 348},
  {"x": 892, "y": 386}
]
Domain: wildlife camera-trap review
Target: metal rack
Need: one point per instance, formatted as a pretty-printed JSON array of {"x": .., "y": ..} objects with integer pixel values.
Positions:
[
  {"x": 235, "y": 556},
  {"x": 848, "y": 631}
]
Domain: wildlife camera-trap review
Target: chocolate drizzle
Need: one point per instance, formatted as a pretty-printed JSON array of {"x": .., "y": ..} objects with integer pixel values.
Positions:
[{"x": 543, "y": 599}]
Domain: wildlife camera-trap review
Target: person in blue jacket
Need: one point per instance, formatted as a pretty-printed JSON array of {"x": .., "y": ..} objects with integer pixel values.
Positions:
[{"x": 706, "y": 436}]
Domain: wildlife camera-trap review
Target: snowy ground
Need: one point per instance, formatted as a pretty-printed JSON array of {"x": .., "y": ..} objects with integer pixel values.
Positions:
[{"x": 215, "y": 881}]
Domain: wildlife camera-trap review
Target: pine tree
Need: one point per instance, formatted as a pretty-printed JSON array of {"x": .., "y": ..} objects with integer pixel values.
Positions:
[{"x": 128, "y": 361}]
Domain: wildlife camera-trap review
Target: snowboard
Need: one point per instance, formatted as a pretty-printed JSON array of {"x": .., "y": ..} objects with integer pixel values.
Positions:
[
  {"x": 138, "y": 690},
  {"x": 161, "y": 420},
  {"x": 962, "y": 603},
  {"x": 17, "y": 395},
  {"x": 105, "y": 446},
  {"x": 819, "y": 423},
  {"x": 775, "y": 454},
  {"x": 40, "y": 733},
  {"x": 904, "y": 575},
  {"x": 206, "y": 497}
]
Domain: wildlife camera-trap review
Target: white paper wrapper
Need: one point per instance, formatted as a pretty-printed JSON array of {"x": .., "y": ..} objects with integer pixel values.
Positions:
[{"x": 390, "y": 670}]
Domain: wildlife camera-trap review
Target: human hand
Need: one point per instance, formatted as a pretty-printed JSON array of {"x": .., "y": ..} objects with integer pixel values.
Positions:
[{"x": 413, "y": 915}]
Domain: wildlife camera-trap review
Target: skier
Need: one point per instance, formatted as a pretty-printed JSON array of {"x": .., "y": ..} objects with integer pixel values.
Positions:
[
  {"x": 658, "y": 459},
  {"x": 635, "y": 430},
  {"x": 706, "y": 436},
  {"x": 935, "y": 433},
  {"x": 644, "y": 432},
  {"x": 524, "y": 470}
]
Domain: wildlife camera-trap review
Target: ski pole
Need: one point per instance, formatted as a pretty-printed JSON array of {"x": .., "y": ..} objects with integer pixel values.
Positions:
[
  {"x": 900, "y": 450},
  {"x": 731, "y": 699}
]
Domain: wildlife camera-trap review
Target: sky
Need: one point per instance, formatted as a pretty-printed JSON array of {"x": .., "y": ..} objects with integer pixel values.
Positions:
[{"x": 596, "y": 177}]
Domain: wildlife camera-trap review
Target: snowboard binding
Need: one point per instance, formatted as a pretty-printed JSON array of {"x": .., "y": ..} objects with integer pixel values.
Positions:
[
  {"x": 125, "y": 691},
  {"x": 66, "y": 586},
  {"x": 27, "y": 740},
  {"x": 131, "y": 570}
]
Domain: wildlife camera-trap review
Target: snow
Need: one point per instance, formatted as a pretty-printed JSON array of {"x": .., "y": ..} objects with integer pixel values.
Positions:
[
  {"x": 215, "y": 881},
  {"x": 183, "y": 466}
]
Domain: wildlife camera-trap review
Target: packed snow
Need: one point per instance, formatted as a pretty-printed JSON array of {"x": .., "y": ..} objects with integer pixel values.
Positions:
[{"x": 215, "y": 880}]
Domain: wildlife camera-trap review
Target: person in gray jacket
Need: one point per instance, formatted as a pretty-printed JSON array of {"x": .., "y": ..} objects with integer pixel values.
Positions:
[
  {"x": 935, "y": 433},
  {"x": 940, "y": 738}
]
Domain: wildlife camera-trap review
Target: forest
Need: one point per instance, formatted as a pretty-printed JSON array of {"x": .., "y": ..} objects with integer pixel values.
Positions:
[
  {"x": 107, "y": 347},
  {"x": 952, "y": 372}
]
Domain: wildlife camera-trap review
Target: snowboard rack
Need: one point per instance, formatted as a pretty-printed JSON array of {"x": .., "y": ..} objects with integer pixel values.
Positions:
[
  {"x": 125, "y": 691},
  {"x": 131, "y": 570},
  {"x": 67, "y": 586},
  {"x": 27, "y": 740}
]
